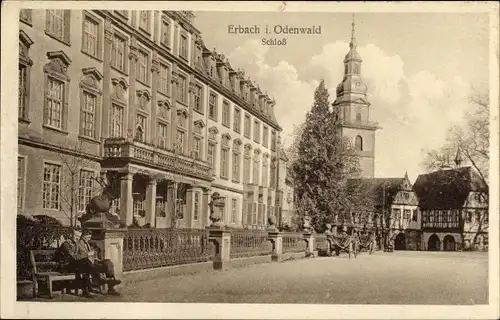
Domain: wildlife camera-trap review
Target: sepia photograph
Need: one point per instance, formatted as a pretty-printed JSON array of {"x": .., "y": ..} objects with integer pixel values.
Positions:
[{"x": 261, "y": 156}]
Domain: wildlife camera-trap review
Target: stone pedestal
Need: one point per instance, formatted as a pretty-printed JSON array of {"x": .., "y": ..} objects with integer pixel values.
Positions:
[
  {"x": 276, "y": 239},
  {"x": 309, "y": 238},
  {"x": 109, "y": 242},
  {"x": 222, "y": 241}
]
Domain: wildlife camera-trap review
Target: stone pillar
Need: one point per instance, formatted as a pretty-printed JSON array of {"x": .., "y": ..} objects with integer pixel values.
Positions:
[
  {"x": 276, "y": 239},
  {"x": 309, "y": 238},
  {"x": 106, "y": 82},
  {"x": 171, "y": 199},
  {"x": 133, "y": 57},
  {"x": 151, "y": 202},
  {"x": 222, "y": 241},
  {"x": 126, "y": 201}
]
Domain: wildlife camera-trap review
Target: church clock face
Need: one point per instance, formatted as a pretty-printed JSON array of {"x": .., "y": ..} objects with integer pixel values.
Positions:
[{"x": 358, "y": 84}]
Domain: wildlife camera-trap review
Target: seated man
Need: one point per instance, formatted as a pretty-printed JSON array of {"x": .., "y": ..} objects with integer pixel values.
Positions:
[
  {"x": 96, "y": 267},
  {"x": 70, "y": 261}
]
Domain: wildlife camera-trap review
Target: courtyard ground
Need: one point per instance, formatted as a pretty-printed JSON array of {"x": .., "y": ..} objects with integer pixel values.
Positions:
[{"x": 401, "y": 277}]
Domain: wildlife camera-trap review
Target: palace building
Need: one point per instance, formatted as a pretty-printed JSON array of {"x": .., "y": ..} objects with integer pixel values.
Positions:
[{"x": 137, "y": 98}]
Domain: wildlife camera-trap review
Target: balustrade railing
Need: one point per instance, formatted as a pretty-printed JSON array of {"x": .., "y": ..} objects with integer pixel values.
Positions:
[
  {"x": 153, "y": 248},
  {"x": 120, "y": 148},
  {"x": 293, "y": 242},
  {"x": 249, "y": 243}
]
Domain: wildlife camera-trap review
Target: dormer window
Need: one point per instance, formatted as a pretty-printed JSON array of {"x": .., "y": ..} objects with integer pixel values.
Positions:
[{"x": 183, "y": 45}]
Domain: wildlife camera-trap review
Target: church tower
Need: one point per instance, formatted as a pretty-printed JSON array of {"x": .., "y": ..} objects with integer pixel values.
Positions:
[{"x": 354, "y": 109}]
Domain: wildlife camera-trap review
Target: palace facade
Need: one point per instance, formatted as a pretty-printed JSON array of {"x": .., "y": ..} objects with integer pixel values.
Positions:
[{"x": 135, "y": 97}]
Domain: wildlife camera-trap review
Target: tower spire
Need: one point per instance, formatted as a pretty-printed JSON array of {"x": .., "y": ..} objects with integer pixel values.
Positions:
[{"x": 352, "y": 44}]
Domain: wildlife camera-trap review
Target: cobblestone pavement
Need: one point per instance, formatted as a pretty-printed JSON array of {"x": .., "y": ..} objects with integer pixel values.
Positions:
[{"x": 383, "y": 278}]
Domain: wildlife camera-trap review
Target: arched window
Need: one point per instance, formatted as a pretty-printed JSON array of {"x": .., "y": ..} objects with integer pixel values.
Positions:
[
  {"x": 358, "y": 117},
  {"x": 359, "y": 143}
]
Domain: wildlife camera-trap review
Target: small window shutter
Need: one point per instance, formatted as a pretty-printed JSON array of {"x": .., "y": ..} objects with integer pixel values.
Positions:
[{"x": 67, "y": 23}]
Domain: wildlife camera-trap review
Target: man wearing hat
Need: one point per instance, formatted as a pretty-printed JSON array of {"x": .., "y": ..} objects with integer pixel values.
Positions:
[{"x": 78, "y": 257}]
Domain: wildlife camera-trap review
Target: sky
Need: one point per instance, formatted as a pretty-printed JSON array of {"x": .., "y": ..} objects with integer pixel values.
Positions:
[{"x": 419, "y": 68}]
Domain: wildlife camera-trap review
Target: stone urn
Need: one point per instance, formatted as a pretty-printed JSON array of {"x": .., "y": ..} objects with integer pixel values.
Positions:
[
  {"x": 216, "y": 205},
  {"x": 271, "y": 222}
]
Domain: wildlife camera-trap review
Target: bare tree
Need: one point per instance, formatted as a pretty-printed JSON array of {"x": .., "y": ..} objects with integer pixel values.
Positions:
[{"x": 77, "y": 171}]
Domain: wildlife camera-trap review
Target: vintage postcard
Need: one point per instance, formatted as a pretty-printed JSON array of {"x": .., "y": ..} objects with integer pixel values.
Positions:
[{"x": 250, "y": 160}]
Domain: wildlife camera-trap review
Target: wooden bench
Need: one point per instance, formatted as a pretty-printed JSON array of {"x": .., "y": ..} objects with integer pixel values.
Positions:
[{"x": 45, "y": 267}]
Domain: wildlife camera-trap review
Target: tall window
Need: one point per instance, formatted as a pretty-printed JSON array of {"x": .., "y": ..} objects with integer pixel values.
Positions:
[
  {"x": 54, "y": 103},
  {"x": 359, "y": 143},
  {"x": 198, "y": 98},
  {"x": 224, "y": 156},
  {"x": 265, "y": 136},
  {"x": 212, "y": 106},
  {"x": 236, "y": 162},
  {"x": 211, "y": 155},
  {"x": 57, "y": 24},
  {"x": 246, "y": 168},
  {"x": 162, "y": 135},
  {"x": 140, "y": 128},
  {"x": 91, "y": 39},
  {"x": 144, "y": 18},
  {"x": 142, "y": 67},
  {"x": 196, "y": 211},
  {"x": 51, "y": 186},
  {"x": 247, "y": 126},
  {"x": 256, "y": 131},
  {"x": 25, "y": 15},
  {"x": 197, "y": 148},
  {"x": 87, "y": 117},
  {"x": 237, "y": 120},
  {"x": 234, "y": 210},
  {"x": 180, "y": 139},
  {"x": 118, "y": 53},
  {"x": 265, "y": 172},
  {"x": 23, "y": 89},
  {"x": 273, "y": 140},
  {"x": 117, "y": 121},
  {"x": 181, "y": 89},
  {"x": 165, "y": 33},
  {"x": 86, "y": 185},
  {"x": 225, "y": 113},
  {"x": 164, "y": 79},
  {"x": 21, "y": 172},
  {"x": 256, "y": 171},
  {"x": 183, "y": 46}
]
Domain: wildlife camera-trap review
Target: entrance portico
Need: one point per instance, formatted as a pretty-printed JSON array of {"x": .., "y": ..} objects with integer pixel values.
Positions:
[{"x": 160, "y": 199}]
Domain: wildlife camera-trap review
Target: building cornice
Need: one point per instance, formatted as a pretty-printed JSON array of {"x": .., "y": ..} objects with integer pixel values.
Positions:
[{"x": 56, "y": 148}]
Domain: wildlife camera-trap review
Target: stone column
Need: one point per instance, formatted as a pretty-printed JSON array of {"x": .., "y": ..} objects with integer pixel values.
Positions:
[
  {"x": 222, "y": 241},
  {"x": 309, "y": 238},
  {"x": 171, "y": 199},
  {"x": 276, "y": 239},
  {"x": 106, "y": 82},
  {"x": 151, "y": 202},
  {"x": 133, "y": 57},
  {"x": 126, "y": 201},
  {"x": 190, "y": 206}
]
